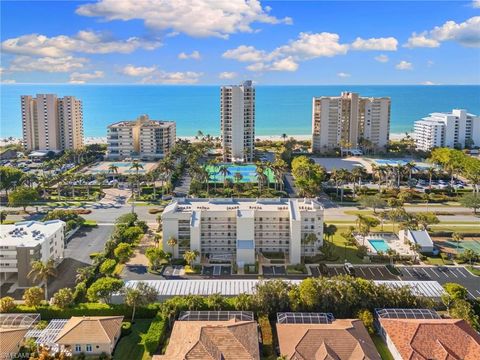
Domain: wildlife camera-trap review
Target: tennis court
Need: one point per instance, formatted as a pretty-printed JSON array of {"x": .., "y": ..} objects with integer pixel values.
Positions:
[
  {"x": 465, "y": 244},
  {"x": 247, "y": 172}
]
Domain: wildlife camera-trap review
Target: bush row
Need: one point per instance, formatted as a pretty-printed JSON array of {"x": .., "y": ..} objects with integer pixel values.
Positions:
[
  {"x": 89, "y": 309},
  {"x": 156, "y": 334}
]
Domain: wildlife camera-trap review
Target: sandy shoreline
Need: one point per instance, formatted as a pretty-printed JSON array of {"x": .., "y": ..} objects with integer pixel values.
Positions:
[{"x": 103, "y": 139}]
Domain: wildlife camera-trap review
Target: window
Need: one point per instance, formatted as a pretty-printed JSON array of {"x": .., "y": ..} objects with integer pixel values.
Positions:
[
  {"x": 78, "y": 348},
  {"x": 88, "y": 348}
]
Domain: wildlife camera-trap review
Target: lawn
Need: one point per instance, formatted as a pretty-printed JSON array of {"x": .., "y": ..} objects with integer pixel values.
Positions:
[
  {"x": 438, "y": 261},
  {"x": 382, "y": 348},
  {"x": 131, "y": 347},
  {"x": 342, "y": 250},
  {"x": 473, "y": 270}
]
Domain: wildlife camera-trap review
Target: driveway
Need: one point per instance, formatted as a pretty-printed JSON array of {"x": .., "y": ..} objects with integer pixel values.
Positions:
[{"x": 86, "y": 241}]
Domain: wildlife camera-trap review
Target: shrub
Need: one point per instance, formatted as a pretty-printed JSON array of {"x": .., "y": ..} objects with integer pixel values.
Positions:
[
  {"x": 367, "y": 318},
  {"x": 267, "y": 337},
  {"x": 63, "y": 298},
  {"x": 131, "y": 234},
  {"x": 80, "y": 291},
  {"x": 154, "y": 211},
  {"x": 123, "y": 252},
  {"x": 456, "y": 291},
  {"x": 7, "y": 304},
  {"x": 126, "y": 328},
  {"x": 108, "y": 266},
  {"x": 71, "y": 217},
  {"x": 33, "y": 296},
  {"x": 156, "y": 334}
]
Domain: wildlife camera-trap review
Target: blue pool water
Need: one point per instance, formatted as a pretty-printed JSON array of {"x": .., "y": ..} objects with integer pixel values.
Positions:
[
  {"x": 379, "y": 245},
  {"x": 391, "y": 162},
  {"x": 248, "y": 173}
]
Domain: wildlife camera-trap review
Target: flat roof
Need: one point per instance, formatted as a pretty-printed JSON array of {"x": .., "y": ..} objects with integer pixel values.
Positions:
[
  {"x": 233, "y": 287},
  {"x": 28, "y": 233}
]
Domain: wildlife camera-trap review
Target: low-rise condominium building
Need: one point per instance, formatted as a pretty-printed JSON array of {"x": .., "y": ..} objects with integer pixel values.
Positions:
[
  {"x": 240, "y": 229},
  {"x": 28, "y": 241},
  {"x": 142, "y": 138},
  {"x": 457, "y": 129}
]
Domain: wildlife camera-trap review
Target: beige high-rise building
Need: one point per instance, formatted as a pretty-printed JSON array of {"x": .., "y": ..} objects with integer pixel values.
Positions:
[
  {"x": 142, "y": 138},
  {"x": 51, "y": 123},
  {"x": 237, "y": 112},
  {"x": 346, "y": 120}
]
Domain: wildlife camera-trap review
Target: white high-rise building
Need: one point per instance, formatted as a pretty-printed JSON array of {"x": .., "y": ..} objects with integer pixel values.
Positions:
[
  {"x": 142, "y": 138},
  {"x": 240, "y": 229},
  {"x": 348, "y": 120},
  {"x": 237, "y": 112},
  {"x": 455, "y": 129},
  {"x": 51, "y": 123}
]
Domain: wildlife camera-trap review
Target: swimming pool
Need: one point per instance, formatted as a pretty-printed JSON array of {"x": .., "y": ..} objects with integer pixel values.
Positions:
[
  {"x": 247, "y": 171},
  {"x": 391, "y": 162},
  {"x": 379, "y": 245}
]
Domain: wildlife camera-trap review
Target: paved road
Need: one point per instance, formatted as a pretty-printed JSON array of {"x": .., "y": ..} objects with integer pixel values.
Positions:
[{"x": 290, "y": 185}]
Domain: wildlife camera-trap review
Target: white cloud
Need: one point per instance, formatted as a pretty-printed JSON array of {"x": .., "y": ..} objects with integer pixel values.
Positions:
[
  {"x": 245, "y": 53},
  {"x": 421, "y": 41},
  {"x": 381, "y": 58},
  {"x": 429, "y": 83},
  {"x": 199, "y": 18},
  {"x": 47, "y": 64},
  {"x": 466, "y": 33},
  {"x": 404, "y": 65},
  {"x": 286, "y": 58},
  {"x": 8, "y": 81},
  {"x": 382, "y": 44},
  {"x": 83, "y": 42},
  {"x": 163, "y": 77},
  {"x": 476, "y": 3},
  {"x": 195, "y": 55},
  {"x": 81, "y": 78},
  {"x": 132, "y": 70},
  {"x": 343, "y": 75},
  {"x": 430, "y": 63},
  {"x": 227, "y": 75}
]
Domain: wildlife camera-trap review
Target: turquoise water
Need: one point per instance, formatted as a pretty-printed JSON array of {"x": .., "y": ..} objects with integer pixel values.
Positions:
[
  {"x": 248, "y": 173},
  {"x": 379, "y": 245},
  {"x": 279, "y": 109}
]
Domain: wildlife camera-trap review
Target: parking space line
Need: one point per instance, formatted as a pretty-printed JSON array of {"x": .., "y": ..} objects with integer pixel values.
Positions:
[
  {"x": 273, "y": 270},
  {"x": 363, "y": 272},
  {"x": 408, "y": 272},
  {"x": 425, "y": 271},
  {"x": 473, "y": 296},
  {"x": 336, "y": 272},
  {"x": 434, "y": 271},
  {"x": 478, "y": 291},
  {"x": 380, "y": 272},
  {"x": 464, "y": 271},
  {"x": 371, "y": 272},
  {"x": 458, "y": 269},
  {"x": 450, "y": 270}
]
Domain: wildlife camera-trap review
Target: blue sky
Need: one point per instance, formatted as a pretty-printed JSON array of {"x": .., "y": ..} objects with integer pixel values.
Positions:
[{"x": 271, "y": 42}]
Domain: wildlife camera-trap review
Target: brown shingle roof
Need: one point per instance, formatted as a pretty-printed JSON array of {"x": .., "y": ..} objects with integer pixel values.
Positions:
[
  {"x": 342, "y": 339},
  {"x": 94, "y": 329},
  {"x": 209, "y": 340},
  {"x": 10, "y": 338},
  {"x": 433, "y": 339}
]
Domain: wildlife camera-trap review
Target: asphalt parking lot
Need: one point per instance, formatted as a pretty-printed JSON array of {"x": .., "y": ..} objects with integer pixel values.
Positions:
[
  {"x": 86, "y": 241},
  {"x": 176, "y": 270},
  {"x": 217, "y": 270},
  {"x": 274, "y": 270},
  {"x": 369, "y": 272},
  {"x": 443, "y": 274}
]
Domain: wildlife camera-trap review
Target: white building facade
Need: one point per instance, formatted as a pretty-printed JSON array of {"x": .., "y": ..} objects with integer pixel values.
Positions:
[
  {"x": 457, "y": 129},
  {"x": 240, "y": 229},
  {"x": 28, "y": 241},
  {"x": 237, "y": 113},
  {"x": 50, "y": 123},
  {"x": 346, "y": 120},
  {"x": 142, "y": 138}
]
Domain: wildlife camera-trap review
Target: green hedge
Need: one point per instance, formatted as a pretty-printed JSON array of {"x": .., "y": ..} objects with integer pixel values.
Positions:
[
  {"x": 267, "y": 335},
  {"x": 126, "y": 328},
  {"x": 156, "y": 334},
  {"x": 89, "y": 309}
]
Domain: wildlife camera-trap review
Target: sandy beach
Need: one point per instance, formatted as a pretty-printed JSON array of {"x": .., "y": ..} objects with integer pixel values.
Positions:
[{"x": 103, "y": 139}]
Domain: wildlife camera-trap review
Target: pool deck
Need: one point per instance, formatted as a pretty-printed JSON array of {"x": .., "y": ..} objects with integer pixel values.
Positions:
[
  {"x": 390, "y": 239},
  {"x": 247, "y": 171},
  {"x": 123, "y": 167}
]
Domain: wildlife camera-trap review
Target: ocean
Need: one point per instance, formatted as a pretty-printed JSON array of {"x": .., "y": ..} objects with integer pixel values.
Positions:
[{"x": 279, "y": 109}]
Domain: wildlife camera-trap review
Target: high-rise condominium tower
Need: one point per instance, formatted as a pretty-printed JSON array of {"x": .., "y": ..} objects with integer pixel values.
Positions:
[
  {"x": 350, "y": 121},
  {"x": 51, "y": 123},
  {"x": 237, "y": 112}
]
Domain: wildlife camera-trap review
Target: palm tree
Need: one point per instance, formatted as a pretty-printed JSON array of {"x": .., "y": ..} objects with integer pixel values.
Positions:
[
  {"x": 136, "y": 166},
  {"x": 309, "y": 239},
  {"x": 41, "y": 272},
  {"x": 84, "y": 273},
  {"x": 223, "y": 170},
  {"x": 284, "y": 137},
  {"x": 190, "y": 257},
  {"x": 237, "y": 177},
  {"x": 431, "y": 172},
  {"x": 172, "y": 242},
  {"x": 260, "y": 171},
  {"x": 112, "y": 169},
  {"x": 457, "y": 237},
  {"x": 359, "y": 173}
]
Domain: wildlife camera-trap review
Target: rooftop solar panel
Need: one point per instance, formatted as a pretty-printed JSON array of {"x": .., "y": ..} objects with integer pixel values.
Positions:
[
  {"x": 406, "y": 314},
  {"x": 215, "y": 315},
  {"x": 304, "y": 318}
]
